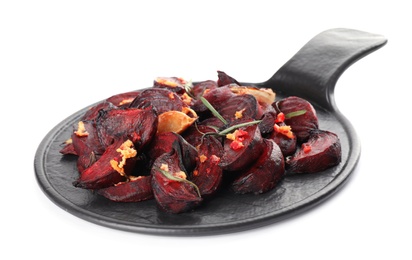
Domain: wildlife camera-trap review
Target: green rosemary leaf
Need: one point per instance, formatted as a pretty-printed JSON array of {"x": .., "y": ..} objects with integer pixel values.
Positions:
[
  {"x": 234, "y": 127},
  {"x": 175, "y": 178},
  {"x": 213, "y": 110},
  {"x": 295, "y": 113}
]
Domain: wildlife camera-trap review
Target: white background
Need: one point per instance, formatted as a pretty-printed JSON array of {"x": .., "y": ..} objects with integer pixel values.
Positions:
[{"x": 57, "y": 57}]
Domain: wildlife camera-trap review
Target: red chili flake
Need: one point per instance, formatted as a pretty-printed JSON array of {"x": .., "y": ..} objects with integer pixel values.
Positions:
[
  {"x": 306, "y": 148},
  {"x": 280, "y": 118},
  {"x": 236, "y": 145}
]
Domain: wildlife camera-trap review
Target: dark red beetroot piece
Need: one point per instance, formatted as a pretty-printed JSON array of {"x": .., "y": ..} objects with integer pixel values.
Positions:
[
  {"x": 224, "y": 79},
  {"x": 199, "y": 88},
  {"x": 68, "y": 148},
  {"x": 85, "y": 139},
  {"x": 174, "y": 84},
  {"x": 264, "y": 174},
  {"x": 208, "y": 174},
  {"x": 111, "y": 168},
  {"x": 123, "y": 99},
  {"x": 169, "y": 142},
  {"x": 173, "y": 193},
  {"x": 86, "y": 144},
  {"x": 161, "y": 99},
  {"x": 268, "y": 119},
  {"x": 287, "y": 144},
  {"x": 216, "y": 97},
  {"x": 243, "y": 150},
  {"x": 94, "y": 111},
  {"x": 134, "y": 190},
  {"x": 138, "y": 125},
  {"x": 321, "y": 151},
  {"x": 239, "y": 107},
  {"x": 194, "y": 134},
  {"x": 303, "y": 124}
]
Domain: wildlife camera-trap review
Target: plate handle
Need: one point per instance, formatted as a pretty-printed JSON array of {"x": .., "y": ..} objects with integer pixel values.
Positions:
[{"x": 314, "y": 70}]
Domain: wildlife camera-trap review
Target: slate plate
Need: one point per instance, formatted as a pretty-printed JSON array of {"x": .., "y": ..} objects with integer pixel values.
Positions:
[{"x": 311, "y": 74}]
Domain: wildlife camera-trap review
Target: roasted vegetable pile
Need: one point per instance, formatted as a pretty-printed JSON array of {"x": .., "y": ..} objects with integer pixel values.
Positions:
[{"x": 179, "y": 143}]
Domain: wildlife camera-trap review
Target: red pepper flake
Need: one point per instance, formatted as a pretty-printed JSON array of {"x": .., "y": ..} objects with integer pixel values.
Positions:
[
  {"x": 280, "y": 118},
  {"x": 306, "y": 148},
  {"x": 236, "y": 145},
  {"x": 237, "y": 138},
  {"x": 285, "y": 130}
]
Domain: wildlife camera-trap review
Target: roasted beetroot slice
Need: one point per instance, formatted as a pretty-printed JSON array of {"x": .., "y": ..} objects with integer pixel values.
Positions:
[
  {"x": 320, "y": 152},
  {"x": 267, "y": 123},
  {"x": 224, "y": 79},
  {"x": 241, "y": 151},
  {"x": 174, "y": 84},
  {"x": 123, "y": 99},
  {"x": 173, "y": 193},
  {"x": 169, "y": 142},
  {"x": 239, "y": 107},
  {"x": 116, "y": 162},
  {"x": 194, "y": 134},
  {"x": 138, "y": 125},
  {"x": 161, "y": 99},
  {"x": 85, "y": 139},
  {"x": 287, "y": 144},
  {"x": 68, "y": 148},
  {"x": 199, "y": 88},
  {"x": 84, "y": 161},
  {"x": 93, "y": 112},
  {"x": 264, "y": 174},
  {"x": 208, "y": 174},
  {"x": 303, "y": 124},
  {"x": 134, "y": 190},
  {"x": 216, "y": 97}
]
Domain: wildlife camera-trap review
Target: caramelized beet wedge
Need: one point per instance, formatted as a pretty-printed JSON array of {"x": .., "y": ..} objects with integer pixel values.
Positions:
[
  {"x": 216, "y": 97},
  {"x": 135, "y": 190},
  {"x": 238, "y": 107},
  {"x": 264, "y": 174},
  {"x": 267, "y": 123},
  {"x": 94, "y": 111},
  {"x": 161, "y": 99},
  {"x": 68, "y": 147},
  {"x": 123, "y": 99},
  {"x": 138, "y": 125},
  {"x": 172, "y": 191},
  {"x": 194, "y": 134},
  {"x": 320, "y": 152},
  {"x": 174, "y": 84},
  {"x": 113, "y": 166},
  {"x": 303, "y": 124},
  {"x": 85, "y": 139},
  {"x": 242, "y": 148},
  {"x": 199, "y": 88},
  {"x": 208, "y": 174},
  {"x": 169, "y": 142},
  {"x": 224, "y": 79},
  {"x": 86, "y": 144},
  {"x": 287, "y": 142},
  {"x": 84, "y": 161}
]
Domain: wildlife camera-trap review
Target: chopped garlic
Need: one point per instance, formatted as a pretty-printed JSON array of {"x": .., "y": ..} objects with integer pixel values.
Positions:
[
  {"x": 239, "y": 114},
  {"x": 126, "y": 151},
  {"x": 202, "y": 158},
  {"x": 81, "y": 130}
]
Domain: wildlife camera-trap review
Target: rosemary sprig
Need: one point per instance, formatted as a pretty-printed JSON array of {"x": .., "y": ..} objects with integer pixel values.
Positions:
[
  {"x": 295, "y": 113},
  {"x": 213, "y": 110},
  {"x": 234, "y": 127},
  {"x": 188, "y": 88},
  {"x": 175, "y": 178}
]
